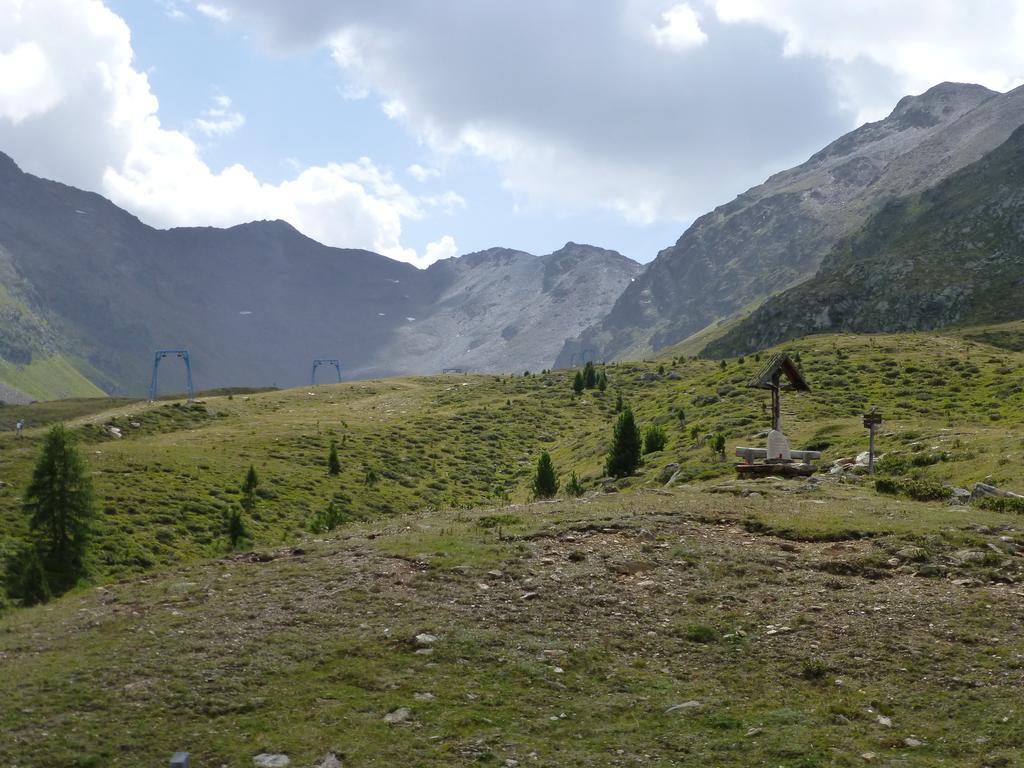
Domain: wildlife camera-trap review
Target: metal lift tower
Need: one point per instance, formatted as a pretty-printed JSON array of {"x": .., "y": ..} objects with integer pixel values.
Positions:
[
  {"x": 324, "y": 361},
  {"x": 160, "y": 355}
]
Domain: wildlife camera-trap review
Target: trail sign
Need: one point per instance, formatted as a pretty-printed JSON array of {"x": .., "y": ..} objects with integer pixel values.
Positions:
[{"x": 872, "y": 420}]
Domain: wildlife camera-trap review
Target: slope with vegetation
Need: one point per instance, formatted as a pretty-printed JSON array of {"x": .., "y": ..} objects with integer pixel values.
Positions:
[
  {"x": 440, "y": 622},
  {"x": 953, "y": 255}
]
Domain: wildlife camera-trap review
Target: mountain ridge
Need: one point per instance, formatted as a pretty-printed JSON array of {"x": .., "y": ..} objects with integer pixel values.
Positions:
[
  {"x": 775, "y": 234},
  {"x": 255, "y": 303},
  {"x": 951, "y": 255}
]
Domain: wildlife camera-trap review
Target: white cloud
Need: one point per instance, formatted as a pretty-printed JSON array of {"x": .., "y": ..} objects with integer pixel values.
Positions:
[
  {"x": 579, "y": 105},
  {"x": 74, "y": 108},
  {"x": 422, "y": 173},
  {"x": 445, "y": 248},
  {"x": 215, "y": 12},
  {"x": 220, "y": 119},
  {"x": 680, "y": 28},
  {"x": 27, "y": 83},
  {"x": 921, "y": 42}
]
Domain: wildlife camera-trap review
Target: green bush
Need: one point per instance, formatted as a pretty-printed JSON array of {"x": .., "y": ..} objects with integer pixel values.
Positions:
[
  {"x": 327, "y": 519},
  {"x": 574, "y": 487},
  {"x": 700, "y": 633},
  {"x": 654, "y": 439},
  {"x": 1001, "y": 504},
  {"x": 919, "y": 490}
]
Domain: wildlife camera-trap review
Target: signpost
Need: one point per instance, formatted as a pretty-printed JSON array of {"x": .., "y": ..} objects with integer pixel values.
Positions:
[{"x": 871, "y": 421}]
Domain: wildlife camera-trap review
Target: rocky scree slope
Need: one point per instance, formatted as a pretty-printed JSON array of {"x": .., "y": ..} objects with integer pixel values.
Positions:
[
  {"x": 506, "y": 310},
  {"x": 952, "y": 255},
  {"x": 776, "y": 234}
]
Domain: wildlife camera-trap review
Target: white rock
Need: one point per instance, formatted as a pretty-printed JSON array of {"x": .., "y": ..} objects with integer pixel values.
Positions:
[
  {"x": 268, "y": 760},
  {"x": 685, "y": 705},
  {"x": 425, "y": 638},
  {"x": 399, "y": 715}
]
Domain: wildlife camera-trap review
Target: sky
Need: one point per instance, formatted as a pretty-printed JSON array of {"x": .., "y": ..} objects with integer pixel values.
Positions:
[{"x": 424, "y": 129}]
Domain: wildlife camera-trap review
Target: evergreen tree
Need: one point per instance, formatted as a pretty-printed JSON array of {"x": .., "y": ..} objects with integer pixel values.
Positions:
[
  {"x": 589, "y": 375},
  {"x": 577, "y": 383},
  {"x": 602, "y": 381},
  {"x": 60, "y": 504},
  {"x": 545, "y": 482},
  {"x": 333, "y": 465},
  {"x": 654, "y": 439},
  {"x": 618, "y": 403},
  {"x": 237, "y": 532},
  {"x": 624, "y": 453},
  {"x": 252, "y": 480}
]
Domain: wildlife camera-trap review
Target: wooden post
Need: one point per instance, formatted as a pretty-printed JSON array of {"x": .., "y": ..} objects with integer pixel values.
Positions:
[
  {"x": 871, "y": 449},
  {"x": 871, "y": 420},
  {"x": 776, "y": 403}
]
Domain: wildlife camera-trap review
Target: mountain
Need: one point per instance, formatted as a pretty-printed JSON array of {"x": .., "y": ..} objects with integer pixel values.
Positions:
[
  {"x": 776, "y": 234},
  {"x": 502, "y": 309},
  {"x": 90, "y": 291},
  {"x": 951, "y": 255}
]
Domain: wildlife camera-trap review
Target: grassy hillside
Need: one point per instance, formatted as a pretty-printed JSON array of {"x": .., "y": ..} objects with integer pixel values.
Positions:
[
  {"x": 459, "y": 441},
  {"x": 51, "y": 378},
  {"x": 798, "y": 624}
]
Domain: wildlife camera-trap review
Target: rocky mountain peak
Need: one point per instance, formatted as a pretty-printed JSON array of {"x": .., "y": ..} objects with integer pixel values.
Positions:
[{"x": 939, "y": 101}]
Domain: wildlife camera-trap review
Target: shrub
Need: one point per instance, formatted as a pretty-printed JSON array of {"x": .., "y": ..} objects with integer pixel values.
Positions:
[
  {"x": 700, "y": 633},
  {"x": 1002, "y": 504},
  {"x": 919, "y": 490},
  {"x": 654, "y": 439},
  {"x": 25, "y": 577},
  {"x": 618, "y": 403},
  {"x": 333, "y": 464},
  {"x": 574, "y": 487},
  {"x": 624, "y": 454},
  {"x": 814, "y": 669},
  {"x": 718, "y": 444},
  {"x": 545, "y": 481},
  {"x": 327, "y": 519}
]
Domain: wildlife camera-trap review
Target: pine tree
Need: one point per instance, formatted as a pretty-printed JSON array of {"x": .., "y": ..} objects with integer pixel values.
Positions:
[
  {"x": 237, "y": 532},
  {"x": 59, "y": 501},
  {"x": 624, "y": 453},
  {"x": 602, "y": 381},
  {"x": 577, "y": 383},
  {"x": 545, "y": 482},
  {"x": 252, "y": 480},
  {"x": 618, "y": 403},
  {"x": 333, "y": 465},
  {"x": 589, "y": 375}
]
